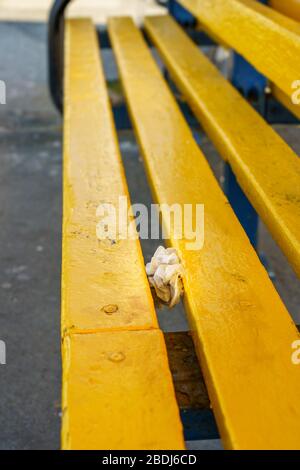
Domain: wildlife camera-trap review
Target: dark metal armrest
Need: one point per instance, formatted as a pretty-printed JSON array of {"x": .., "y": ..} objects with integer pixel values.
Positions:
[{"x": 56, "y": 51}]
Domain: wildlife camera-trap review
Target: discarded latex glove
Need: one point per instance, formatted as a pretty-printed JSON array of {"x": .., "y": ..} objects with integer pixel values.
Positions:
[{"x": 165, "y": 273}]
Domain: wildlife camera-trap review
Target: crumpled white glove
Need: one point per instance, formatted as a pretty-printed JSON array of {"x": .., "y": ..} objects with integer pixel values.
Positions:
[{"x": 165, "y": 273}]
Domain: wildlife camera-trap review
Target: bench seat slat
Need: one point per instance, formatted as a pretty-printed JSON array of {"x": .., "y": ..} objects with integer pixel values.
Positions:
[
  {"x": 117, "y": 386},
  {"x": 266, "y": 167},
  {"x": 252, "y": 28},
  {"x": 96, "y": 273},
  {"x": 242, "y": 331},
  {"x": 289, "y": 8},
  {"x": 119, "y": 393}
]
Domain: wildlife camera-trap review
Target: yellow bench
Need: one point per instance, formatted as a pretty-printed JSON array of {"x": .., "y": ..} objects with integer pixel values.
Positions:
[{"x": 117, "y": 387}]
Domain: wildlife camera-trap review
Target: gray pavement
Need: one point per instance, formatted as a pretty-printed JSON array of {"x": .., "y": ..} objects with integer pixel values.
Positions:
[
  {"x": 30, "y": 241},
  {"x": 30, "y": 244}
]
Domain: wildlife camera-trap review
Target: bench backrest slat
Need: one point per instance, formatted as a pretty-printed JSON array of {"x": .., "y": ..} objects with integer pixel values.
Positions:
[{"x": 266, "y": 38}]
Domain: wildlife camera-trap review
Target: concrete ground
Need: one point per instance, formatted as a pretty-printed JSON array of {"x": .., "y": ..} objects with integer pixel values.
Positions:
[{"x": 30, "y": 241}]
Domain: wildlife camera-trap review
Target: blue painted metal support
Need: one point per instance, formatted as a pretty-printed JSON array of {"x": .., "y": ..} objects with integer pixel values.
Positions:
[
  {"x": 188, "y": 22},
  {"x": 241, "y": 205},
  {"x": 184, "y": 17},
  {"x": 121, "y": 117},
  {"x": 251, "y": 84},
  {"x": 199, "y": 424},
  {"x": 276, "y": 113}
]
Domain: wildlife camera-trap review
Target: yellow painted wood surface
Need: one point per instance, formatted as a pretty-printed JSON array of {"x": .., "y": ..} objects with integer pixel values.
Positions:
[
  {"x": 242, "y": 331},
  {"x": 267, "y": 169},
  {"x": 118, "y": 393},
  {"x": 117, "y": 387},
  {"x": 96, "y": 273},
  {"x": 266, "y": 38},
  {"x": 289, "y": 8}
]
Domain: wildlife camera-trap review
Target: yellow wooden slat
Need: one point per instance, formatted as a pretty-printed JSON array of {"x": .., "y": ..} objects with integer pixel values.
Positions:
[
  {"x": 267, "y": 169},
  {"x": 289, "y": 8},
  {"x": 118, "y": 393},
  {"x": 252, "y": 28},
  {"x": 242, "y": 331},
  {"x": 96, "y": 273},
  {"x": 117, "y": 387}
]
